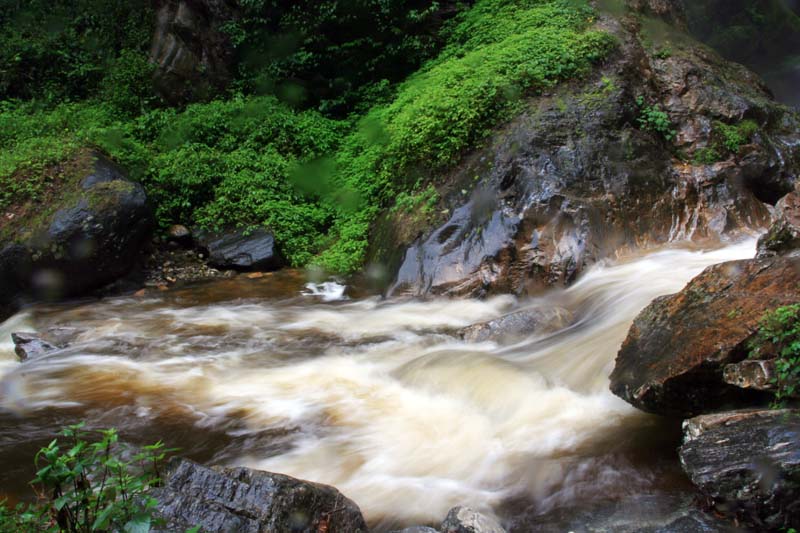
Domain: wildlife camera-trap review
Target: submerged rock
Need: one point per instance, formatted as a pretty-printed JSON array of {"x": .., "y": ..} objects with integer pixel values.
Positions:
[
  {"x": 239, "y": 500},
  {"x": 673, "y": 358},
  {"x": 242, "y": 250},
  {"x": 30, "y": 345},
  {"x": 89, "y": 235},
  {"x": 748, "y": 464},
  {"x": 466, "y": 520},
  {"x": 516, "y": 326}
]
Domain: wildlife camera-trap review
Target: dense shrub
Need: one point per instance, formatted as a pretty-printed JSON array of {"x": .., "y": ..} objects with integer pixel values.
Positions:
[{"x": 778, "y": 336}]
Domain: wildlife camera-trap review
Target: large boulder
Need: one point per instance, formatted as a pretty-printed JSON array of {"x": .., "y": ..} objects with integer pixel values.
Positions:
[
  {"x": 88, "y": 235},
  {"x": 240, "y": 500},
  {"x": 239, "y": 249},
  {"x": 674, "y": 357},
  {"x": 193, "y": 56},
  {"x": 577, "y": 177},
  {"x": 748, "y": 464}
]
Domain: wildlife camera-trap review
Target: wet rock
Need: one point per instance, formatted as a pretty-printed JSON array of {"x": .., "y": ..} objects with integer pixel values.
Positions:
[
  {"x": 783, "y": 236},
  {"x": 192, "y": 55},
  {"x": 640, "y": 513},
  {"x": 673, "y": 358},
  {"x": 516, "y": 326},
  {"x": 90, "y": 235},
  {"x": 242, "y": 250},
  {"x": 750, "y": 374},
  {"x": 671, "y": 11},
  {"x": 179, "y": 234},
  {"x": 417, "y": 529},
  {"x": 30, "y": 345},
  {"x": 748, "y": 464},
  {"x": 574, "y": 179},
  {"x": 465, "y": 520},
  {"x": 234, "y": 500}
]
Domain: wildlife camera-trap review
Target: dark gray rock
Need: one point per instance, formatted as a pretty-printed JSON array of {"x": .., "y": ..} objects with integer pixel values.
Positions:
[
  {"x": 91, "y": 236},
  {"x": 641, "y": 513},
  {"x": 783, "y": 236},
  {"x": 748, "y": 464},
  {"x": 239, "y": 500},
  {"x": 417, "y": 529},
  {"x": 750, "y": 374},
  {"x": 518, "y": 325},
  {"x": 192, "y": 55},
  {"x": 30, "y": 345},
  {"x": 242, "y": 250},
  {"x": 465, "y": 520}
]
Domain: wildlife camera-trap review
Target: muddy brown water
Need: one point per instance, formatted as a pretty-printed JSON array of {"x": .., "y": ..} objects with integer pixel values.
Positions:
[{"x": 376, "y": 397}]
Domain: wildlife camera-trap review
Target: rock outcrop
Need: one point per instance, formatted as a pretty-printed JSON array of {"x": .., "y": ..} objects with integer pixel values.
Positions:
[
  {"x": 192, "y": 55},
  {"x": 581, "y": 176},
  {"x": 783, "y": 236},
  {"x": 89, "y": 235},
  {"x": 748, "y": 464},
  {"x": 241, "y": 250},
  {"x": 672, "y": 361},
  {"x": 240, "y": 500}
]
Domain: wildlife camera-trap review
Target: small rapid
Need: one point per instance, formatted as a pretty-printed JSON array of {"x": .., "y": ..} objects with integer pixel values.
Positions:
[{"x": 380, "y": 398}]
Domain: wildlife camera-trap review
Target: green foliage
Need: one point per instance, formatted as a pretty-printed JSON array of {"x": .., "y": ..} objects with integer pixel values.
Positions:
[
  {"x": 61, "y": 49},
  {"x": 734, "y": 136},
  {"x": 317, "y": 182},
  {"x": 706, "y": 156},
  {"x": 335, "y": 55},
  {"x": 779, "y": 336},
  {"x": 88, "y": 486},
  {"x": 652, "y": 118},
  {"x": 498, "y": 52}
]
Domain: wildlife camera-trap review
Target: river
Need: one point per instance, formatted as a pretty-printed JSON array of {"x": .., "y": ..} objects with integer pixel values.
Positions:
[{"x": 376, "y": 397}]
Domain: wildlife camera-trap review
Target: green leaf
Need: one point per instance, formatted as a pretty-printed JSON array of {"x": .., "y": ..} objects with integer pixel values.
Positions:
[{"x": 138, "y": 524}]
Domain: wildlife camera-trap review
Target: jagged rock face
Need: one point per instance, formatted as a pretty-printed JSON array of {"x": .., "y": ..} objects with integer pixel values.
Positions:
[
  {"x": 240, "y": 500},
  {"x": 193, "y": 57},
  {"x": 748, "y": 464},
  {"x": 672, "y": 361},
  {"x": 577, "y": 177},
  {"x": 783, "y": 236},
  {"x": 89, "y": 237}
]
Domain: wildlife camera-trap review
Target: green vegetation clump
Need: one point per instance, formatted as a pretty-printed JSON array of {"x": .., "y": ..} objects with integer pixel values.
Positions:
[
  {"x": 726, "y": 140},
  {"x": 85, "y": 485},
  {"x": 778, "y": 336},
  {"x": 316, "y": 179},
  {"x": 652, "y": 118}
]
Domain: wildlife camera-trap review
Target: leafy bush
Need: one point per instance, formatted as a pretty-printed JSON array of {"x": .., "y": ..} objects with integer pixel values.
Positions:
[
  {"x": 735, "y": 135},
  {"x": 87, "y": 486},
  {"x": 652, "y": 118},
  {"x": 779, "y": 336}
]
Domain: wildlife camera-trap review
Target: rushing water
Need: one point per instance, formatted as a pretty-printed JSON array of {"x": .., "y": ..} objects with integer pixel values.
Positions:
[{"x": 376, "y": 397}]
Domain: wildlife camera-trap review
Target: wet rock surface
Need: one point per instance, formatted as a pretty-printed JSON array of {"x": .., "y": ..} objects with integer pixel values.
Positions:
[
  {"x": 234, "y": 500},
  {"x": 645, "y": 513},
  {"x": 466, "y": 520},
  {"x": 192, "y": 55},
  {"x": 750, "y": 374},
  {"x": 91, "y": 236},
  {"x": 748, "y": 464},
  {"x": 30, "y": 345},
  {"x": 241, "y": 250},
  {"x": 783, "y": 236},
  {"x": 518, "y": 325},
  {"x": 673, "y": 358},
  {"x": 577, "y": 178}
]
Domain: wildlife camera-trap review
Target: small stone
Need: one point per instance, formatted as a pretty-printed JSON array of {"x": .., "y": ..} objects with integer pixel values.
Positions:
[
  {"x": 140, "y": 293},
  {"x": 163, "y": 288},
  {"x": 466, "y": 520},
  {"x": 255, "y": 275},
  {"x": 30, "y": 345}
]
